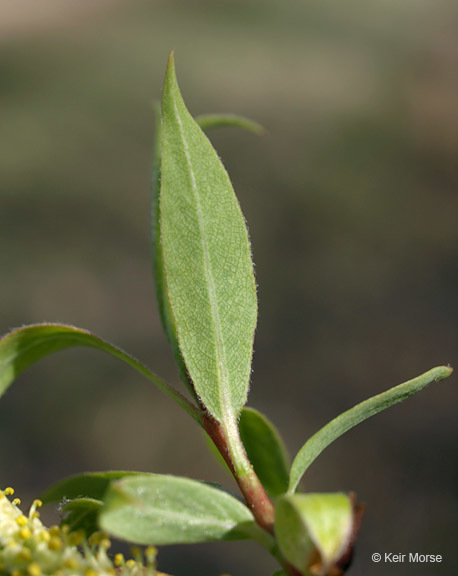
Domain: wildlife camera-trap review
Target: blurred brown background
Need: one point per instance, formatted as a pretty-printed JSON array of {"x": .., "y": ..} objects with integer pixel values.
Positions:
[{"x": 351, "y": 201}]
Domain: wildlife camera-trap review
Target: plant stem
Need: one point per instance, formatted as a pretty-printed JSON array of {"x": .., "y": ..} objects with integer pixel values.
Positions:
[
  {"x": 227, "y": 439},
  {"x": 256, "y": 497}
]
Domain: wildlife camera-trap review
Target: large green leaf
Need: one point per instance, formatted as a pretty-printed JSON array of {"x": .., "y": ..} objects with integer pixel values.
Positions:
[
  {"x": 265, "y": 450},
  {"x": 157, "y": 509},
  {"x": 207, "y": 260},
  {"x": 334, "y": 429},
  {"x": 89, "y": 484},
  {"x": 206, "y": 122},
  {"x": 23, "y": 347},
  {"x": 310, "y": 523}
]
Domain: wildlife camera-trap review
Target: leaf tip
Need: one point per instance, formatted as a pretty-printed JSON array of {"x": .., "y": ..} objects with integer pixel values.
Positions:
[
  {"x": 171, "y": 62},
  {"x": 443, "y": 372},
  {"x": 170, "y": 74}
]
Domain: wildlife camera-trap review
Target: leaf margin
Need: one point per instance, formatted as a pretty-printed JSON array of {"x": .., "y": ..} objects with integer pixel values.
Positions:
[{"x": 315, "y": 445}]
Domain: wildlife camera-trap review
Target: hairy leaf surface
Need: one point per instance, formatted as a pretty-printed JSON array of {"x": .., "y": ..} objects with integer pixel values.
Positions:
[
  {"x": 207, "y": 260},
  {"x": 165, "y": 312},
  {"x": 157, "y": 509},
  {"x": 206, "y": 122}
]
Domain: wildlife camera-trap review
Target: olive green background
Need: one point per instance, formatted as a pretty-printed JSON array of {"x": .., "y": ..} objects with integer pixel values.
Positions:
[{"x": 351, "y": 200}]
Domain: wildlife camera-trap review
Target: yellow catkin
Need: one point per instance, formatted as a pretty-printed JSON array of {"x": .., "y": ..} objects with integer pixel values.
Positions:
[
  {"x": 34, "y": 569},
  {"x": 105, "y": 543},
  {"x": 54, "y": 531},
  {"x": 21, "y": 520},
  {"x": 25, "y": 533},
  {"x": 76, "y": 538},
  {"x": 25, "y": 554},
  {"x": 71, "y": 563},
  {"x": 44, "y": 536},
  {"x": 94, "y": 539},
  {"x": 55, "y": 543},
  {"x": 150, "y": 554},
  {"x": 118, "y": 560}
]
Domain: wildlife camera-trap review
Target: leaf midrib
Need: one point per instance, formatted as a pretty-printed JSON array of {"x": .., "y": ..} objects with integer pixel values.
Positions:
[{"x": 223, "y": 390}]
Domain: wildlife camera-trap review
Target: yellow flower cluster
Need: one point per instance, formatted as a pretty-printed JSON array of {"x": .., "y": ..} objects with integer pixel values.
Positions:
[{"x": 28, "y": 548}]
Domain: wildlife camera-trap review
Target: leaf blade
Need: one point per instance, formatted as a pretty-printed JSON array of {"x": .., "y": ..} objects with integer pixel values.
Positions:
[
  {"x": 157, "y": 509},
  {"x": 87, "y": 485},
  {"x": 21, "y": 348},
  {"x": 265, "y": 450},
  {"x": 160, "y": 281},
  {"x": 347, "y": 420},
  {"x": 308, "y": 522},
  {"x": 206, "y": 122},
  {"x": 207, "y": 259}
]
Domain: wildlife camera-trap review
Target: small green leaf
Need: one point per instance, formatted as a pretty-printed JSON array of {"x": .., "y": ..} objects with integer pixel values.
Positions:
[
  {"x": 265, "y": 450},
  {"x": 23, "y": 347},
  {"x": 156, "y": 509},
  {"x": 89, "y": 484},
  {"x": 210, "y": 121},
  {"x": 306, "y": 523},
  {"x": 207, "y": 260},
  {"x": 334, "y": 429},
  {"x": 81, "y": 514}
]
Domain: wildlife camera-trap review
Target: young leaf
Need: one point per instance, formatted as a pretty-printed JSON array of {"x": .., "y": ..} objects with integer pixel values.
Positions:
[
  {"x": 210, "y": 121},
  {"x": 207, "y": 260},
  {"x": 24, "y": 346},
  {"x": 157, "y": 509},
  {"x": 206, "y": 122},
  {"x": 90, "y": 484},
  {"x": 309, "y": 523},
  {"x": 334, "y": 429},
  {"x": 165, "y": 312},
  {"x": 265, "y": 450},
  {"x": 81, "y": 514}
]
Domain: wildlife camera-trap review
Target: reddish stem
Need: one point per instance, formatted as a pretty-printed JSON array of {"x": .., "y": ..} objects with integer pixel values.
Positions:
[{"x": 253, "y": 491}]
